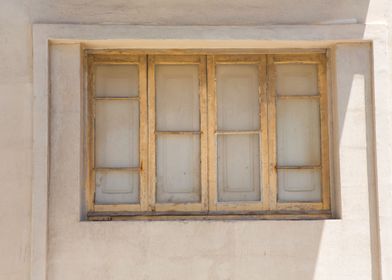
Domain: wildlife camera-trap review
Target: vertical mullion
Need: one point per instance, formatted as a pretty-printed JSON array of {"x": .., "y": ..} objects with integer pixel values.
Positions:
[
  {"x": 324, "y": 143},
  {"x": 143, "y": 134},
  {"x": 203, "y": 132},
  {"x": 151, "y": 133},
  {"x": 212, "y": 126},
  {"x": 271, "y": 95},
  {"x": 263, "y": 135},
  {"x": 91, "y": 135}
]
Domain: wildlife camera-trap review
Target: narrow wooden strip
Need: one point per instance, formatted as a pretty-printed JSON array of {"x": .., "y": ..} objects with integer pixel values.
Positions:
[
  {"x": 117, "y": 98},
  {"x": 178, "y": 207},
  {"x": 237, "y": 132},
  {"x": 212, "y": 153},
  {"x": 143, "y": 134},
  {"x": 299, "y": 167},
  {"x": 202, "y": 217},
  {"x": 108, "y": 58},
  {"x": 217, "y": 51},
  {"x": 300, "y": 206},
  {"x": 204, "y": 132},
  {"x": 297, "y": 58},
  {"x": 317, "y": 97},
  {"x": 177, "y": 59},
  {"x": 272, "y": 161},
  {"x": 264, "y": 155},
  {"x": 324, "y": 133},
  {"x": 177, "y": 132},
  {"x": 151, "y": 133},
  {"x": 117, "y": 169},
  {"x": 90, "y": 194}
]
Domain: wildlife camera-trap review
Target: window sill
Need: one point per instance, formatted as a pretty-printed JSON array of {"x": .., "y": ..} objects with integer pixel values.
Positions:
[{"x": 216, "y": 216}]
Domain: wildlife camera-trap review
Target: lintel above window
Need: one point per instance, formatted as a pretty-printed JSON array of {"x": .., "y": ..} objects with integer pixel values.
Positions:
[{"x": 207, "y": 135}]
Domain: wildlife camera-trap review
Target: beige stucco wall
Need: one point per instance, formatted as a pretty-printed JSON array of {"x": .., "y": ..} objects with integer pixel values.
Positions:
[{"x": 333, "y": 249}]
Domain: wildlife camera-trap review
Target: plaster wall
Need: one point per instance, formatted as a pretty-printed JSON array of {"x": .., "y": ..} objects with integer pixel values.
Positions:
[{"x": 337, "y": 249}]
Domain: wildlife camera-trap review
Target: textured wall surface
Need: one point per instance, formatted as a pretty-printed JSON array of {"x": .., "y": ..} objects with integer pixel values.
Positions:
[{"x": 334, "y": 249}]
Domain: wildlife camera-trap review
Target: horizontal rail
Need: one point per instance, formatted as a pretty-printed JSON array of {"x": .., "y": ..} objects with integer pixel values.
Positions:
[
  {"x": 118, "y": 98},
  {"x": 237, "y": 132},
  {"x": 117, "y": 169},
  {"x": 299, "y": 167},
  {"x": 177, "y": 132},
  {"x": 298, "y": 96}
]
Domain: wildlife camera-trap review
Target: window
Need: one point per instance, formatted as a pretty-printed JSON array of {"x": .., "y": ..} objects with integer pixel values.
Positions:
[{"x": 207, "y": 134}]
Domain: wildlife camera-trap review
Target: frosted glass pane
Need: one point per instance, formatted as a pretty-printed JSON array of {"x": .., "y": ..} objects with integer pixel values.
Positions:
[
  {"x": 117, "y": 133},
  {"x": 116, "y": 81},
  {"x": 178, "y": 168},
  {"x": 116, "y": 187},
  {"x": 296, "y": 79},
  {"x": 299, "y": 185},
  {"x": 298, "y": 132},
  {"x": 238, "y": 168},
  {"x": 237, "y": 97},
  {"x": 177, "y": 97}
]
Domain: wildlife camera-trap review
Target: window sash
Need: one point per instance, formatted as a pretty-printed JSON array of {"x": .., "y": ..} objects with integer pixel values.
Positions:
[
  {"x": 213, "y": 62},
  {"x": 320, "y": 61},
  {"x": 177, "y": 60},
  {"x": 140, "y": 61}
]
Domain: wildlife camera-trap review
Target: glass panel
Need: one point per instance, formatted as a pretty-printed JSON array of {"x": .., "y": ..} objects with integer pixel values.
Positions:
[
  {"x": 178, "y": 168},
  {"x": 238, "y": 168},
  {"x": 117, "y": 81},
  {"x": 177, "y": 97},
  {"x": 303, "y": 185},
  {"x": 116, "y": 187},
  {"x": 237, "y": 97},
  {"x": 298, "y": 132},
  {"x": 117, "y": 133},
  {"x": 296, "y": 79}
]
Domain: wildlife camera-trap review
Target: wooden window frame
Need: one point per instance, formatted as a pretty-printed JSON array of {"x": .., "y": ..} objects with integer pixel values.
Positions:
[
  {"x": 140, "y": 61},
  {"x": 177, "y": 60},
  {"x": 209, "y": 208},
  {"x": 214, "y": 204},
  {"x": 320, "y": 61}
]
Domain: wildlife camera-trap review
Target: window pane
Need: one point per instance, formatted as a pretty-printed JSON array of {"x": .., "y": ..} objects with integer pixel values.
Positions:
[
  {"x": 237, "y": 97},
  {"x": 178, "y": 168},
  {"x": 116, "y": 187},
  {"x": 117, "y": 133},
  {"x": 299, "y": 185},
  {"x": 238, "y": 168},
  {"x": 298, "y": 132},
  {"x": 296, "y": 79},
  {"x": 117, "y": 81},
  {"x": 177, "y": 97}
]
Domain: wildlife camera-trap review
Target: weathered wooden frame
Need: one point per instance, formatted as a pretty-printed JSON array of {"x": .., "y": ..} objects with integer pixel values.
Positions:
[
  {"x": 260, "y": 61},
  {"x": 176, "y": 60},
  {"x": 208, "y": 132},
  {"x": 320, "y": 61},
  {"x": 102, "y": 59}
]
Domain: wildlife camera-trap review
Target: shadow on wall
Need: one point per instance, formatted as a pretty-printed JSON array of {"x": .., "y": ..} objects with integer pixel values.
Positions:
[{"x": 354, "y": 140}]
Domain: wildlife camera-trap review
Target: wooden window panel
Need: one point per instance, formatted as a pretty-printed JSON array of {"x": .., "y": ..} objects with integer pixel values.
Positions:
[
  {"x": 119, "y": 170},
  {"x": 156, "y": 132},
  {"x": 320, "y": 63},
  {"x": 215, "y": 132}
]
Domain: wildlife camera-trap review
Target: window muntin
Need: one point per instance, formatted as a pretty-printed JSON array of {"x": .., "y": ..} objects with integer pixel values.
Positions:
[{"x": 267, "y": 147}]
